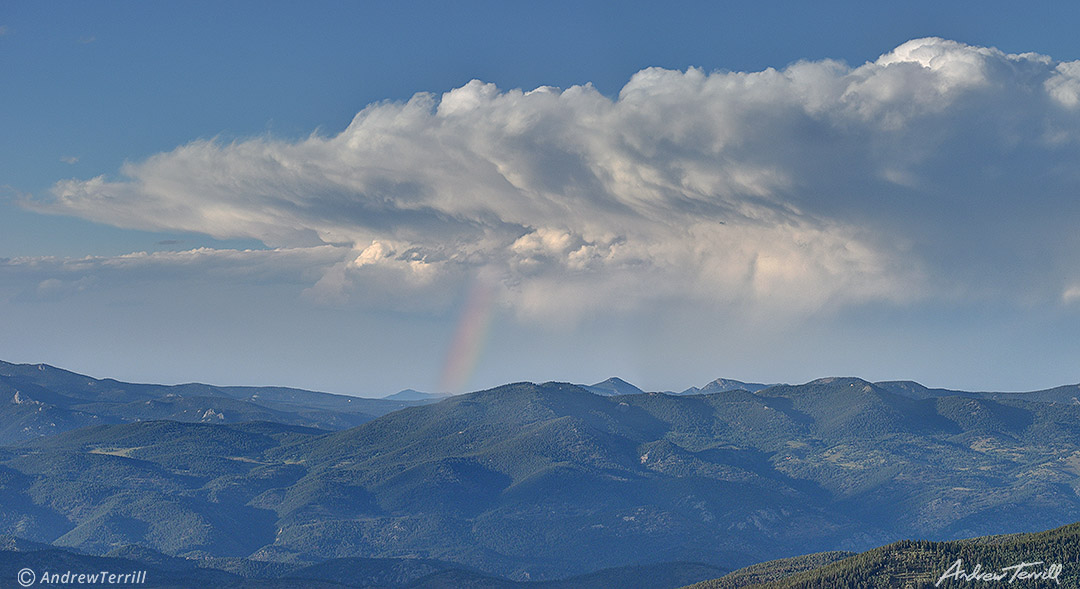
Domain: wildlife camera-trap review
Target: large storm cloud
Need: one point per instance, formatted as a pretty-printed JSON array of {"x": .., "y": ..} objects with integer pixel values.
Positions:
[{"x": 938, "y": 171}]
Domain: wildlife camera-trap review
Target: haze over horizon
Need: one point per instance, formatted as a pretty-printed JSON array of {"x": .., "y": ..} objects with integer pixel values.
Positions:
[{"x": 185, "y": 200}]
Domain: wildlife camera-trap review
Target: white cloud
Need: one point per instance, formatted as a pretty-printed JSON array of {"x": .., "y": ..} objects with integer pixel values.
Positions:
[
  {"x": 1071, "y": 294},
  {"x": 1064, "y": 85},
  {"x": 53, "y": 277},
  {"x": 55, "y": 288},
  {"x": 781, "y": 190}
]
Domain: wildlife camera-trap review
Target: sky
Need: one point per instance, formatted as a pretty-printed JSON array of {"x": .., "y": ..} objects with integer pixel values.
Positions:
[{"x": 365, "y": 197}]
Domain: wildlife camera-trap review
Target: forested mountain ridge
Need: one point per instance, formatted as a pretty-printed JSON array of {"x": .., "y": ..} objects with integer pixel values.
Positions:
[
  {"x": 545, "y": 481},
  {"x": 40, "y": 400},
  {"x": 1051, "y": 557}
]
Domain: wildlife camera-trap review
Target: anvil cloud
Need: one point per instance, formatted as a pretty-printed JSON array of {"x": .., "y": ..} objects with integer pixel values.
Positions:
[{"x": 940, "y": 171}]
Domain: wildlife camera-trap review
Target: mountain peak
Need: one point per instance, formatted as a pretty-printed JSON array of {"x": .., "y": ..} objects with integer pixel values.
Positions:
[
  {"x": 840, "y": 380},
  {"x": 414, "y": 395},
  {"x": 723, "y": 385},
  {"x": 613, "y": 386}
]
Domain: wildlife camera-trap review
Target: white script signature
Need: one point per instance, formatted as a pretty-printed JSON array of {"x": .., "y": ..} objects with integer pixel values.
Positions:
[{"x": 1016, "y": 572}]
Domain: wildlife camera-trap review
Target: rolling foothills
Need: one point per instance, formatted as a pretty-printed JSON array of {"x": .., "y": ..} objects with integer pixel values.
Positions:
[{"x": 552, "y": 484}]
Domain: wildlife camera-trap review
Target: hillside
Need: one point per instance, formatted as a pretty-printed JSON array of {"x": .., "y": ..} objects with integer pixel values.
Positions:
[
  {"x": 40, "y": 400},
  {"x": 911, "y": 563},
  {"x": 772, "y": 570},
  {"x": 547, "y": 481},
  {"x": 384, "y": 573}
]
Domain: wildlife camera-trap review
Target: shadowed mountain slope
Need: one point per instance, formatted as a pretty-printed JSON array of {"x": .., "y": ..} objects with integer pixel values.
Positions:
[
  {"x": 548, "y": 481},
  {"x": 40, "y": 400},
  {"x": 911, "y": 563}
]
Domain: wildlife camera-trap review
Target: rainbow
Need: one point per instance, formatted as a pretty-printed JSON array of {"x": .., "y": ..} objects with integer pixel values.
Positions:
[{"x": 469, "y": 337}]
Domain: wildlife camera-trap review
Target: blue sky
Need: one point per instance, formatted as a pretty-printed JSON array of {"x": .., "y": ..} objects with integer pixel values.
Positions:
[{"x": 186, "y": 194}]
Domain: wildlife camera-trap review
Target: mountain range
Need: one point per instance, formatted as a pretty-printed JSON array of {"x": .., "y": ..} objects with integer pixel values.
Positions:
[
  {"x": 617, "y": 386},
  {"x": 40, "y": 400},
  {"x": 532, "y": 481}
]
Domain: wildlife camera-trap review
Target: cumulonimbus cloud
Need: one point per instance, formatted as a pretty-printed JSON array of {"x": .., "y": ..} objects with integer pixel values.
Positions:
[{"x": 920, "y": 174}]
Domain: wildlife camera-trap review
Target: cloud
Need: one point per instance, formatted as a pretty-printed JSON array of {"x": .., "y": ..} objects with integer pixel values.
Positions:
[
  {"x": 69, "y": 159},
  {"x": 940, "y": 170},
  {"x": 1071, "y": 294},
  {"x": 46, "y": 277}
]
